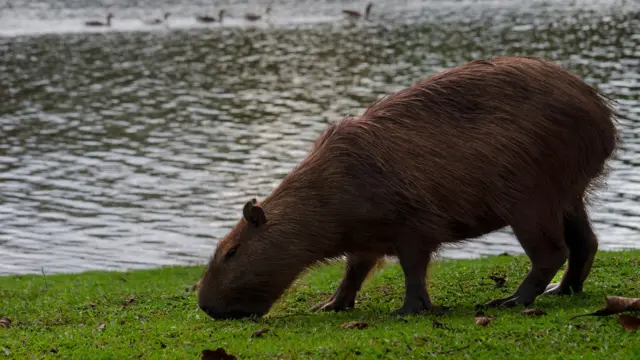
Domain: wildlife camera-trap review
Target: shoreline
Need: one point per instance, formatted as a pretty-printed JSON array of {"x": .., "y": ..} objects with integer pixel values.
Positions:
[{"x": 445, "y": 254}]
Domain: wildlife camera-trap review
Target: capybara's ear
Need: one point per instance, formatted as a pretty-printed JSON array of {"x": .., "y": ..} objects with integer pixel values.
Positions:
[
  {"x": 254, "y": 214},
  {"x": 246, "y": 211},
  {"x": 259, "y": 218}
]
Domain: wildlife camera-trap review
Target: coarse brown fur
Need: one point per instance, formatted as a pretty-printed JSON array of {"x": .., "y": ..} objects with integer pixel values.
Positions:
[{"x": 513, "y": 141}]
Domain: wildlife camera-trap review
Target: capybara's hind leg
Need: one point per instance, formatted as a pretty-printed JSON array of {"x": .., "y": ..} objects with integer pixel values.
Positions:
[
  {"x": 414, "y": 266},
  {"x": 583, "y": 245},
  {"x": 541, "y": 236},
  {"x": 357, "y": 268}
]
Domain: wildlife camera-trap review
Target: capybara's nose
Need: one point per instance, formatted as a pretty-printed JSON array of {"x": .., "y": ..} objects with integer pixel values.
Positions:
[
  {"x": 213, "y": 313},
  {"x": 224, "y": 315}
]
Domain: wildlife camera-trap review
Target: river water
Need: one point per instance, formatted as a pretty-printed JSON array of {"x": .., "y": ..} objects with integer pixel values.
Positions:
[{"x": 135, "y": 146}]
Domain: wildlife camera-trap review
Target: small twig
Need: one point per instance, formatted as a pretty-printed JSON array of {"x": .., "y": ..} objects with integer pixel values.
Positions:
[{"x": 46, "y": 285}]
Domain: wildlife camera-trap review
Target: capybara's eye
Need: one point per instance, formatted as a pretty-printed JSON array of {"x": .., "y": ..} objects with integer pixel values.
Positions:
[{"x": 232, "y": 251}]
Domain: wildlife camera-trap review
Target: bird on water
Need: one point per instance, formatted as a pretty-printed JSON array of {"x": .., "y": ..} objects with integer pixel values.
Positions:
[
  {"x": 353, "y": 14},
  {"x": 100, "y": 23},
  {"x": 209, "y": 18},
  {"x": 256, "y": 17}
]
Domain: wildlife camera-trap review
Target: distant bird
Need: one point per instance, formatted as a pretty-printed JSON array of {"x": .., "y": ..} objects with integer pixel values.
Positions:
[
  {"x": 157, "y": 21},
  {"x": 209, "y": 18},
  {"x": 256, "y": 17},
  {"x": 352, "y": 14},
  {"x": 100, "y": 23}
]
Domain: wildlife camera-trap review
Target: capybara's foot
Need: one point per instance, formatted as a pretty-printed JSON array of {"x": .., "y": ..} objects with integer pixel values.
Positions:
[
  {"x": 557, "y": 289},
  {"x": 356, "y": 270},
  {"x": 411, "y": 310},
  {"x": 334, "y": 304},
  {"x": 417, "y": 304}
]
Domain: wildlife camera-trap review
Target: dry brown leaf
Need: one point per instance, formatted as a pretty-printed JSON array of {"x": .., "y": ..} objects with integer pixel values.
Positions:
[
  {"x": 260, "y": 332},
  {"x": 193, "y": 287},
  {"x": 355, "y": 325},
  {"x": 5, "y": 322},
  {"x": 101, "y": 327},
  {"x": 128, "y": 302},
  {"x": 615, "y": 305},
  {"x": 498, "y": 279},
  {"x": 533, "y": 312},
  {"x": 630, "y": 323},
  {"x": 217, "y": 354},
  {"x": 482, "y": 320}
]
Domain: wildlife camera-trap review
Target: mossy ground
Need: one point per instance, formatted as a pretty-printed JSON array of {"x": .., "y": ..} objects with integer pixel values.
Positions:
[{"x": 60, "y": 316}]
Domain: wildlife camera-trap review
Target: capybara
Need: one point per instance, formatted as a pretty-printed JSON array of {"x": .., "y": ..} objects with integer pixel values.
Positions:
[{"x": 508, "y": 141}]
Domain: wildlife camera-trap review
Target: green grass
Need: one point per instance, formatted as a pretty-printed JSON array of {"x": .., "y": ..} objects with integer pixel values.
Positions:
[{"x": 59, "y": 316}]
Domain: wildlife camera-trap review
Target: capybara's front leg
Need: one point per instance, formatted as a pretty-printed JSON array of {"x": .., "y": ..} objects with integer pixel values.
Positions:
[
  {"x": 543, "y": 242},
  {"x": 357, "y": 268},
  {"x": 414, "y": 266}
]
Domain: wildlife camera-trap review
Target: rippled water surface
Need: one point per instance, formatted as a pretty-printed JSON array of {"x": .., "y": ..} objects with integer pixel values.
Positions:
[{"x": 136, "y": 146}]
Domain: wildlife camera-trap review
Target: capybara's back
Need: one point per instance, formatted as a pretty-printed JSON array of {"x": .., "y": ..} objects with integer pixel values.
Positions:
[
  {"x": 478, "y": 145},
  {"x": 509, "y": 141}
]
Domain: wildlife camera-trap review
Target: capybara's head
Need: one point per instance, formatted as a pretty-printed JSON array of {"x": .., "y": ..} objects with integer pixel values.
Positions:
[{"x": 251, "y": 267}]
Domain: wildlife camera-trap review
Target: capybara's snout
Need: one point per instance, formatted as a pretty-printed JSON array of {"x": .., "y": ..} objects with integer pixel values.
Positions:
[
  {"x": 226, "y": 315},
  {"x": 220, "y": 313}
]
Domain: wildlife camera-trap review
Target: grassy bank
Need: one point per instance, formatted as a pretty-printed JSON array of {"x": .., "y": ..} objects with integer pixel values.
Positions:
[{"x": 148, "y": 314}]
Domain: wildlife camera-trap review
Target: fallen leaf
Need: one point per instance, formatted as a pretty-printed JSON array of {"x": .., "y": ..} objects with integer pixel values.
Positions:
[
  {"x": 498, "y": 279},
  {"x": 615, "y": 305},
  {"x": 533, "y": 312},
  {"x": 128, "y": 302},
  {"x": 5, "y": 322},
  {"x": 483, "y": 320},
  {"x": 101, "y": 327},
  {"x": 260, "y": 332},
  {"x": 630, "y": 323},
  {"x": 217, "y": 354},
  {"x": 193, "y": 287},
  {"x": 354, "y": 325}
]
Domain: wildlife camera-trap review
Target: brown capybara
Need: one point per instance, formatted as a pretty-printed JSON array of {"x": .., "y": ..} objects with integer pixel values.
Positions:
[{"x": 509, "y": 141}]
